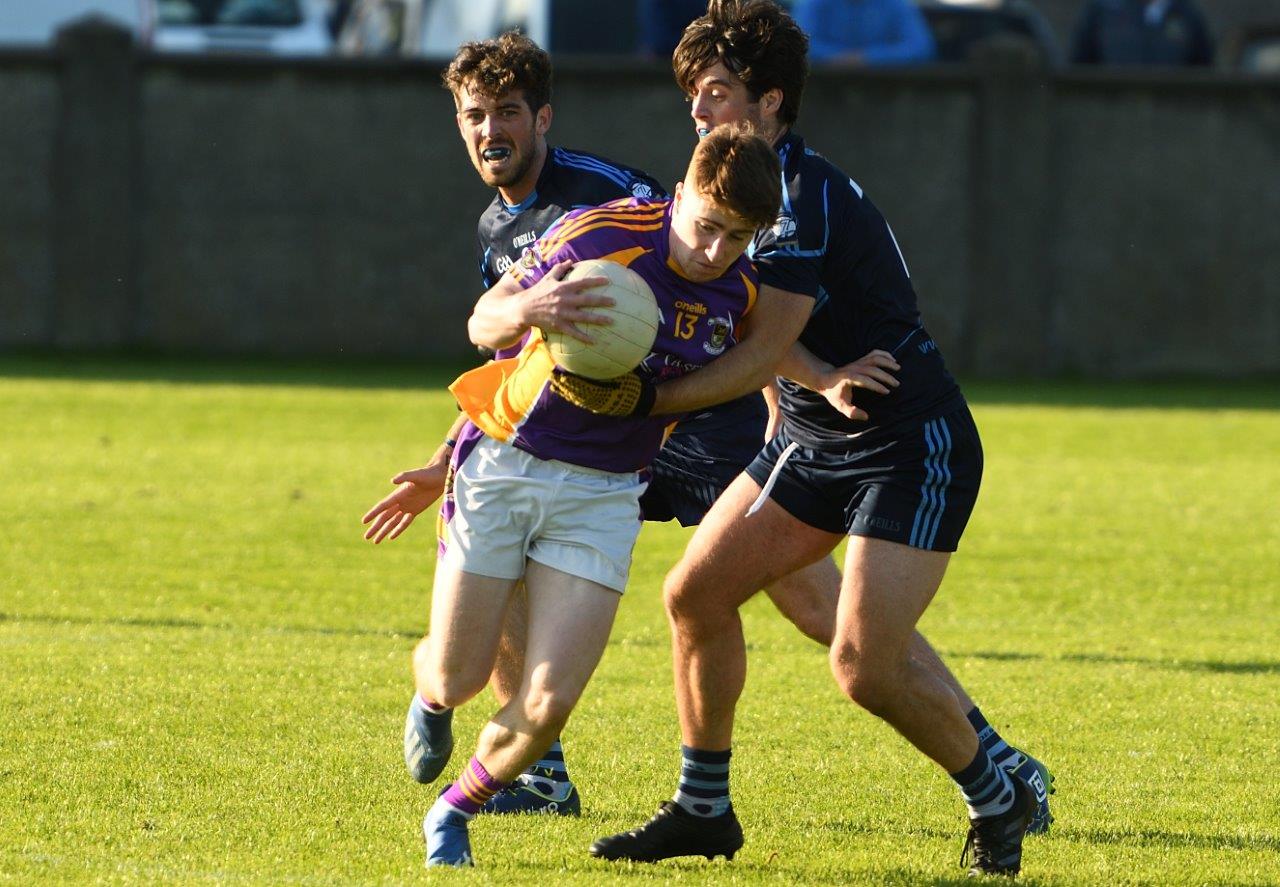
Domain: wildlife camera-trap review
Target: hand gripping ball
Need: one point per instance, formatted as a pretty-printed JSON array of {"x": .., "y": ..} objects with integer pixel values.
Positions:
[{"x": 621, "y": 345}]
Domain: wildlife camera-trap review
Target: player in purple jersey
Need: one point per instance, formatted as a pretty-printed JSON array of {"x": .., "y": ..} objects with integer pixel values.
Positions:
[
  {"x": 897, "y": 475},
  {"x": 502, "y": 92},
  {"x": 546, "y": 492}
]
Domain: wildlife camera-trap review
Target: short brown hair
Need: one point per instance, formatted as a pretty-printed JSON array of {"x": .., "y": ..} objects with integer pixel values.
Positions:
[
  {"x": 740, "y": 172},
  {"x": 495, "y": 67},
  {"x": 757, "y": 41}
]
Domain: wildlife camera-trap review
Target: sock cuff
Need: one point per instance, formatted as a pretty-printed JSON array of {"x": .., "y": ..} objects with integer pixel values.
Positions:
[
  {"x": 481, "y": 776},
  {"x": 434, "y": 707},
  {"x": 977, "y": 719},
  {"x": 702, "y": 756},
  {"x": 972, "y": 773}
]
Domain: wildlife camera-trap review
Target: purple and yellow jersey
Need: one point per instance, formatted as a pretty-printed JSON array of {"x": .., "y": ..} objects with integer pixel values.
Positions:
[{"x": 512, "y": 400}]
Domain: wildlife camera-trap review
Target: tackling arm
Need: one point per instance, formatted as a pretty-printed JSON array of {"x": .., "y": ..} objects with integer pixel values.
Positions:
[
  {"x": 836, "y": 384},
  {"x": 772, "y": 326}
]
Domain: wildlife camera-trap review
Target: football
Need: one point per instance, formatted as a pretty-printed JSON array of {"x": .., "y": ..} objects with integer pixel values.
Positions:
[{"x": 621, "y": 345}]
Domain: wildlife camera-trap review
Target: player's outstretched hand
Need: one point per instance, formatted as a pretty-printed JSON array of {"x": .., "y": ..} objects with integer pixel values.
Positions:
[
  {"x": 627, "y": 395},
  {"x": 557, "y": 305},
  {"x": 417, "y": 489},
  {"x": 871, "y": 372}
]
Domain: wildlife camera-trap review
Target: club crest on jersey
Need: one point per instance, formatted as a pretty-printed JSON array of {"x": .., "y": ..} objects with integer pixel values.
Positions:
[
  {"x": 641, "y": 190},
  {"x": 785, "y": 226},
  {"x": 529, "y": 257},
  {"x": 720, "y": 327}
]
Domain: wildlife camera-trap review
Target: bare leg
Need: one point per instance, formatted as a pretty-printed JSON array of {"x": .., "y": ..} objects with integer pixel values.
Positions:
[
  {"x": 453, "y": 663},
  {"x": 887, "y": 586},
  {"x": 508, "y": 671},
  {"x": 809, "y": 597},
  {"x": 728, "y": 559},
  {"x": 556, "y": 670}
]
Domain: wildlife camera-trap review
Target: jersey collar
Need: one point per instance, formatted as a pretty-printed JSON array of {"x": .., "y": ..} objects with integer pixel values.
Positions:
[{"x": 544, "y": 176}]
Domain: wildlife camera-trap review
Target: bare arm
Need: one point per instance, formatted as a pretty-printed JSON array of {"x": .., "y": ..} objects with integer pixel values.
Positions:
[
  {"x": 773, "y": 325},
  {"x": 870, "y": 372},
  {"x": 774, "y": 423},
  {"x": 417, "y": 489},
  {"x": 507, "y": 311}
]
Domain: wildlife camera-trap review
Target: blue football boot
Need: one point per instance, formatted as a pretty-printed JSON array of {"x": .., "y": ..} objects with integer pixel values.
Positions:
[
  {"x": 428, "y": 741},
  {"x": 532, "y": 795},
  {"x": 1037, "y": 776},
  {"x": 445, "y": 831}
]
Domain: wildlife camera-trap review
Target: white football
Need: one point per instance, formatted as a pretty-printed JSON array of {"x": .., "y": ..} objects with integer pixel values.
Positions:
[{"x": 621, "y": 345}]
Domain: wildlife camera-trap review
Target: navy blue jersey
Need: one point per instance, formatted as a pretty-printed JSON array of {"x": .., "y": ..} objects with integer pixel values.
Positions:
[
  {"x": 571, "y": 180},
  {"x": 832, "y": 244}
]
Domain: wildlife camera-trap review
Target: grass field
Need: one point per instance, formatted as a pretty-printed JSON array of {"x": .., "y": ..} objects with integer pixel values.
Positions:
[{"x": 203, "y": 668}]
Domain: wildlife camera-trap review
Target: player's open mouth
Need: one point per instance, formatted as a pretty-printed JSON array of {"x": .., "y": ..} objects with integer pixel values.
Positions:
[
  {"x": 703, "y": 132},
  {"x": 496, "y": 155}
]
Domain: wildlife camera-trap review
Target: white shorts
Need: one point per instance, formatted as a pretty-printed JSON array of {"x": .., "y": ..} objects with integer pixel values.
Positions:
[{"x": 510, "y": 505}]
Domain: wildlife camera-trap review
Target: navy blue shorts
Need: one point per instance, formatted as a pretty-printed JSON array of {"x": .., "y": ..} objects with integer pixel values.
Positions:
[
  {"x": 692, "y": 470},
  {"x": 917, "y": 487}
]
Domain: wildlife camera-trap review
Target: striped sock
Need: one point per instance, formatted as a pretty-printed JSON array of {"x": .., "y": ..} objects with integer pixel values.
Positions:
[
  {"x": 704, "y": 781},
  {"x": 473, "y": 788},
  {"x": 549, "y": 774},
  {"x": 1005, "y": 756},
  {"x": 987, "y": 789}
]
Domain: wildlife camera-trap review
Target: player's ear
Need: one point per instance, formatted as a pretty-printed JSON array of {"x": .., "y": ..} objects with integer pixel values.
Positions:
[
  {"x": 675, "y": 195},
  {"x": 771, "y": 101},
  {"x": 542, "y": 120}
]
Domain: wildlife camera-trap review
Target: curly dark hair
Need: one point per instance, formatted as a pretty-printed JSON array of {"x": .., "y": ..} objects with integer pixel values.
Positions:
[
  {"x": 756, "y": 40},
  {"x": 739, "y": 171},
  {"x": 494, "y": 67}
]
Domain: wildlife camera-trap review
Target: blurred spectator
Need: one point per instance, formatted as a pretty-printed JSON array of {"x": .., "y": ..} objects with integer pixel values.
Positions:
[
  {"x": 865, "y": 32},
  {"x": 1142, "y": 32},
  {"x": 663, "y": 21},
  {"x": 336, "y": 17}
]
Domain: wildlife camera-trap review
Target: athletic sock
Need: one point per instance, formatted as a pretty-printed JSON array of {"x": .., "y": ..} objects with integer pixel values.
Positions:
[
  {"x": 433, "y": 708},
  {"x": 549, "y": 774},
  {"x": 704, "y": 781},
  {"x": 1005, "y": 756},
  {"x": 433, "y": 719},
  {"x": 987, "y": 790},
  {"x": 472, "y": 789}
]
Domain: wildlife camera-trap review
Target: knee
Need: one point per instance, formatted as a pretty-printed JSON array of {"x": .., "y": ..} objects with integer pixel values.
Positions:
[
  {"x": 452, "y": 690},
  {"x": 861, "y": 677},
  {"x": 450, "y": 687},
  {"x": 693, "y": 608},
  {"x": 546, "y": 710}
]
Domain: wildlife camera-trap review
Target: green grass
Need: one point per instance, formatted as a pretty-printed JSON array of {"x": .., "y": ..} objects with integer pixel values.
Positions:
[{"x": 203, "y": 668}]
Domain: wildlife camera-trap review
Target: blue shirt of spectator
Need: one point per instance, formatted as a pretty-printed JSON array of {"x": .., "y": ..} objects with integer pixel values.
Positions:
[{"x": 872, "y": 32}]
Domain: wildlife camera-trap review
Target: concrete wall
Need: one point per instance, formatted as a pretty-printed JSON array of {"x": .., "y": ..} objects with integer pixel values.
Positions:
[{"x": 1090, "y": 223}]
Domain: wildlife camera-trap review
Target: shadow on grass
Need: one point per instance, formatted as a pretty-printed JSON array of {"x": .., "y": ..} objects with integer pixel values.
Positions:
[
  {"x": 1207, "y": 665},
  {"x": 317, "y": 630},
  {"x": 336, "y": 373},
  {"x": 195, "y": 624},
  {"x": 1160, "y": 838},
  {"x": 1261, "y": 393},
  {"x": 699, "y": 871}
]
